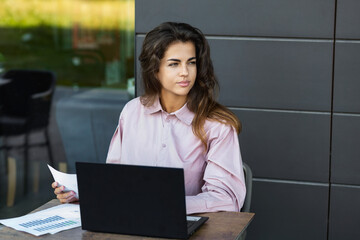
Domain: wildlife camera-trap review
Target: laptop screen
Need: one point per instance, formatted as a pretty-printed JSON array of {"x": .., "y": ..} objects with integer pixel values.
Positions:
[{"x": 127, "y": 199}]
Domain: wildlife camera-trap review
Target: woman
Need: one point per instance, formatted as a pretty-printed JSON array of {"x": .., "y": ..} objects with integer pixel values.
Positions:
[{"x": 177, "y": 122}]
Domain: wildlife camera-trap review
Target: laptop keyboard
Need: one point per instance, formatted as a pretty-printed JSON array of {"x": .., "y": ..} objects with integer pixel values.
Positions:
[
  {"x": 191, "y": 220},
  {"x": 190, "y": 223}
]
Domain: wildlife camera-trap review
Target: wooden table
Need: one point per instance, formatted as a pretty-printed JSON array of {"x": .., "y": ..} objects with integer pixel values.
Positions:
[{"x": 221, "y": 225}]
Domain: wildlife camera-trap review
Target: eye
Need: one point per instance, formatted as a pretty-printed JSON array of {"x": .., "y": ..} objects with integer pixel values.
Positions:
[
  {"x": 174, "y": 64},
  {"x": 192, "y": 63}
]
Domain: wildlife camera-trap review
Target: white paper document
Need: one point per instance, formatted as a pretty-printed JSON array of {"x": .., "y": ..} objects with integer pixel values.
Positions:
[
  {"x": 51, "y": 220},
  {"x": 68, "y": 180}
]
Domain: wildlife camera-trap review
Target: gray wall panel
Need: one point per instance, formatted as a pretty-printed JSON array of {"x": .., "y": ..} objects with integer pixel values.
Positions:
[
  {"x": 269, "y": 73},
  {"x": 288, "y": 211},
  {"x": 348, "y": 19},
  {"x": 287, "y": 18},
  {"x": 285, "y": 145},
  {"x": 346, "y": 78},
  {"x": 344, "y": 213},
  {"x": 345, "y": 164}
]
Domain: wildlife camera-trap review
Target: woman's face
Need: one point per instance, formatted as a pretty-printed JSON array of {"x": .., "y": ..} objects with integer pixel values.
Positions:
[{"x": 177, "y": 71}]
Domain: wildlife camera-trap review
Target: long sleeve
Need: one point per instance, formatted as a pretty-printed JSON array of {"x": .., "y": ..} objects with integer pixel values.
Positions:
[
  {"x": 115, "y": 147},
  {"x": 224, "y": 188}
]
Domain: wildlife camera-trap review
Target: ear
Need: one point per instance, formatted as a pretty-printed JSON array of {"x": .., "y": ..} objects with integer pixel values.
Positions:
[{"x": 156, "y": 74}]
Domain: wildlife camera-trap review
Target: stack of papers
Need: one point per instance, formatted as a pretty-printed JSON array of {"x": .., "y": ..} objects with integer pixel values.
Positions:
[{"x": 51, "y": 220}]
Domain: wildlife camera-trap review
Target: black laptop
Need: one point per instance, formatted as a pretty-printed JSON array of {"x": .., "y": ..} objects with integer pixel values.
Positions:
[{"x": 134, "y": 200}]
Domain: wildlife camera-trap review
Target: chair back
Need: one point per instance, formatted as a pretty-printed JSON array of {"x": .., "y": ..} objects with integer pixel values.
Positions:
[
  {"x": 248, "y": 182},
  {"x": 28, "y": 95}
]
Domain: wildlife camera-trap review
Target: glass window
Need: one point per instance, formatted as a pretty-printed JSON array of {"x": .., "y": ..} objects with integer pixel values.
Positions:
[
  {"x": 87, "y": 43},
  {"x": 89, "y": 46}
]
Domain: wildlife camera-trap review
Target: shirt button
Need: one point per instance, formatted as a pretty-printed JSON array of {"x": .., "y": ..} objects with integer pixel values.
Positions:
[{"x": 164, "y": 145}]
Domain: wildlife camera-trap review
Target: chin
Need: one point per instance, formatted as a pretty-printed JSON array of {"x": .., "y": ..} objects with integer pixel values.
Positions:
[{"x": 183, "y": 93}]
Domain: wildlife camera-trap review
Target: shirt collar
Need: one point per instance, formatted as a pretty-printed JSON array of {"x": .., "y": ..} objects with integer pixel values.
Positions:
[
  {"x": 183, "y": 114},
  {"x": 156, "y": 107}
]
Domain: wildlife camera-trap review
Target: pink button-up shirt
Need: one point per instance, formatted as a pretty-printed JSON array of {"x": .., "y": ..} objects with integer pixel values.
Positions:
[{"x": 214, "y": 180}]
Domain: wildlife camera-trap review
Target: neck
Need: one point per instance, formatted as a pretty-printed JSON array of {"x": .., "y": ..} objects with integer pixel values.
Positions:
[{"x": 172, "y": 104}]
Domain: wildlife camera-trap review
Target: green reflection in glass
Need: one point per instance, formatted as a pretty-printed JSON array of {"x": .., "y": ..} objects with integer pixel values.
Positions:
[{"x": 86, "y": 43}]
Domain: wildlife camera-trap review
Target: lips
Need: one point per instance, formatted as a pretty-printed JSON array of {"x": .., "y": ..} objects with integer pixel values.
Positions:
[{"x": 184, "y": 83}]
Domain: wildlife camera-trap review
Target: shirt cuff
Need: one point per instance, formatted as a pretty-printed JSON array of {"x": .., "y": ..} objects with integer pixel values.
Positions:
[{"x": 201, "y": 204}]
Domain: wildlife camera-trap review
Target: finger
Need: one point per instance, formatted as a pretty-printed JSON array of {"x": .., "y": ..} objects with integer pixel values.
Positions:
[
  {"x": 62, "y": 197},
  {"x": 67, "y": 197},
  {"x": 63, "y": 200},
  {"x": 54, "y": 185},
  {"x": 59, "y": 190},
  {"x": 72, "y": 199}
]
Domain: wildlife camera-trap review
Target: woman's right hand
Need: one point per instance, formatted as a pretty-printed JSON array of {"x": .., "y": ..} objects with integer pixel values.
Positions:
[{"x": 64, "y": 197}]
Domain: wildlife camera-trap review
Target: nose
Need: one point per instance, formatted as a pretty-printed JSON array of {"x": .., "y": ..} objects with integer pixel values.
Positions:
[{"x": 184, "y": 71}]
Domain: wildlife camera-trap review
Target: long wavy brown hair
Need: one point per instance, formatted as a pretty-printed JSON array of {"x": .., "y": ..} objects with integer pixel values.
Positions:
[{"x": 201, "y": 98}]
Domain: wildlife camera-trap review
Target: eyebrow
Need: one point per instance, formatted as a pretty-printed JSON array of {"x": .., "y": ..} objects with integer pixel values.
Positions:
[{"x": 177, "y": 60}]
